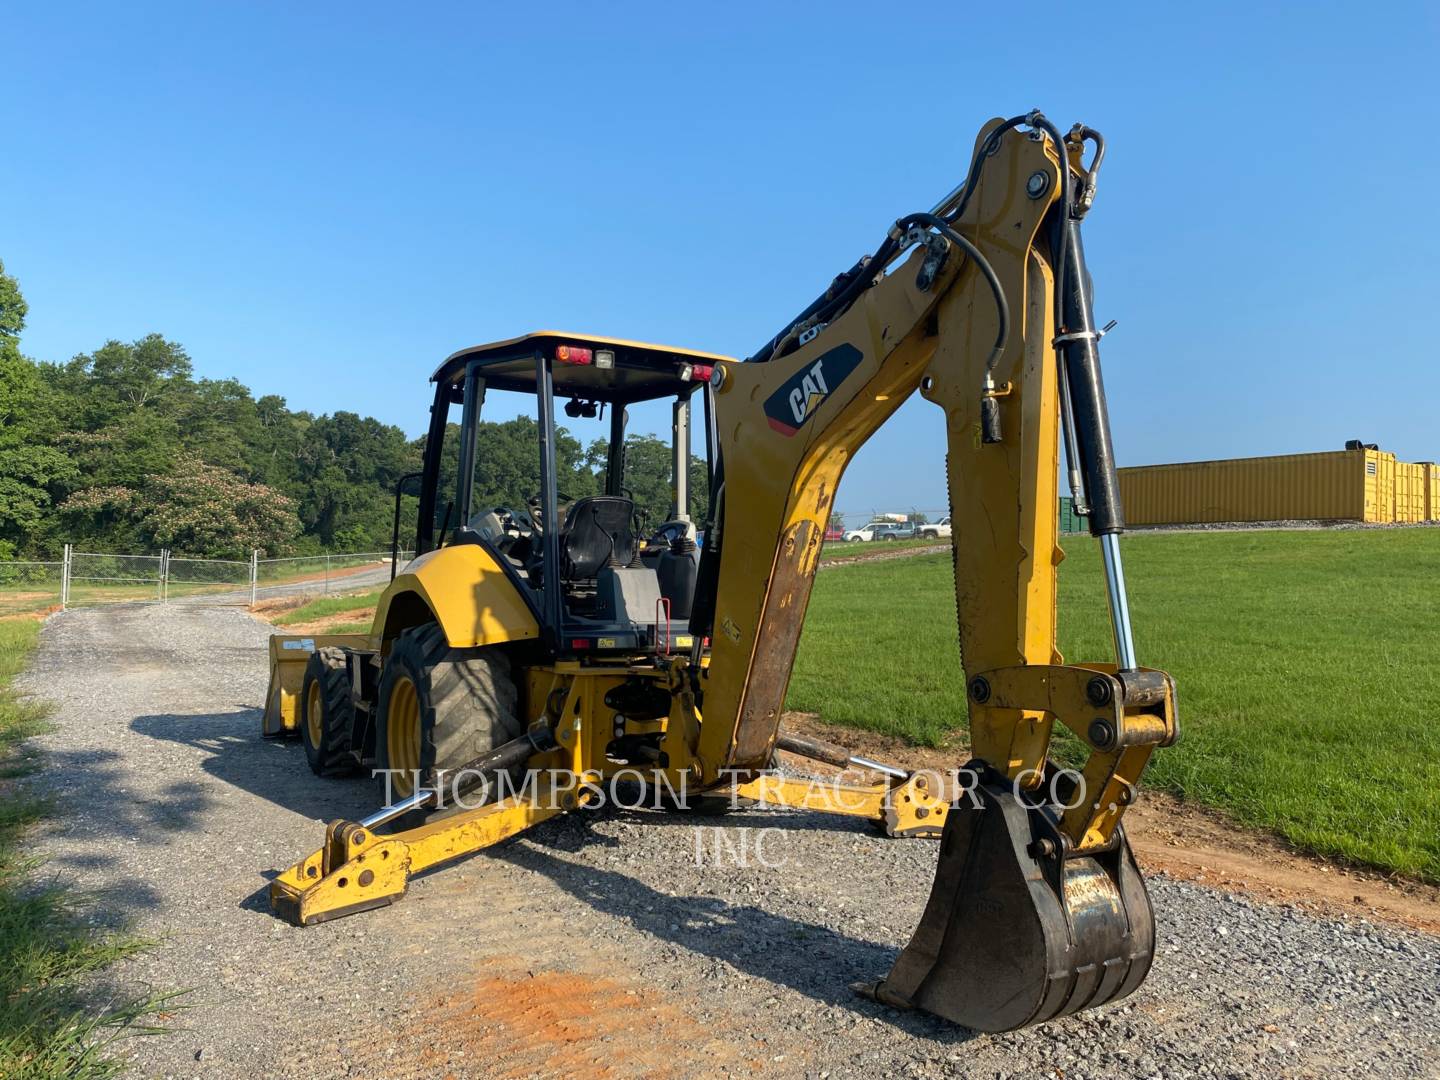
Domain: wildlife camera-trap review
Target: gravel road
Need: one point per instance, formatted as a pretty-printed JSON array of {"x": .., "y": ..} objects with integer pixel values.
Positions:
[{"x": 598, "y": 944}]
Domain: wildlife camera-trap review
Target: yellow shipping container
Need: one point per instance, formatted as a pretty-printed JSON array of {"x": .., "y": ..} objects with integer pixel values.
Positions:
[
  {"x": 1340, "y": 485},
  {"x": 1432, "y": 491},
  {"x": 1410, "y": 484}
]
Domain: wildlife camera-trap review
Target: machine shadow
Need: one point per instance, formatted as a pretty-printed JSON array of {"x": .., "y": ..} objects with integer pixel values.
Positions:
[
  {"x": 271, "y": 769},
  {"x": 93, "y": 795},
  {"x": 820, "y": 963}
]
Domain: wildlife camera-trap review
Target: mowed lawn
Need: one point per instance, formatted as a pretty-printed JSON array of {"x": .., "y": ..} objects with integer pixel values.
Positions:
[
  {"x": 326, "y": 606},
  {"x": 1308, "y": 667}
]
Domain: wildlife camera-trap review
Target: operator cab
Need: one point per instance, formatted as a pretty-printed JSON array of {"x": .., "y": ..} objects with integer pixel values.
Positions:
[{"x": 574, "y": 556}]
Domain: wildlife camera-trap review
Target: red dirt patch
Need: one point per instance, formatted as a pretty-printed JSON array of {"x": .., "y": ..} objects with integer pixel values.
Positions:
[
  {"x": 34, "y": 615},
  {"x": 527, "y": 1023}
]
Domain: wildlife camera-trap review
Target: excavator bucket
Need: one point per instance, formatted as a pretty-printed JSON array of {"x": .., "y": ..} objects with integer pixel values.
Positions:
[{"x": 1015, "y": 933}]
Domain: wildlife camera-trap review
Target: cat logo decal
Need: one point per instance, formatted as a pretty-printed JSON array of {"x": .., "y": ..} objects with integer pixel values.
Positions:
[{"x": 789, "y": 407}]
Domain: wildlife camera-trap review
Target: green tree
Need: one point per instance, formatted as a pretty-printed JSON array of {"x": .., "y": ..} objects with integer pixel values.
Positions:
[
  {"x": 507, "y": 464},
  {"x": 126, "y": 407},
  {"x": 205, "y": 510},
  {"x": 31, "y": 466},
  {"x": 345, "y": 470},
  {"x": 647, "y": 479},
  {"x": 13, "y": 307},
  {"x": 121, "y": 378}
]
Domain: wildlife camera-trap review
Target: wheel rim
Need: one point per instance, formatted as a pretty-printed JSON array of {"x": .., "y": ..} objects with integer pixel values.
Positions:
[
  {"x": 313, "y": 706},
  {"x": 402, "y": 735}
]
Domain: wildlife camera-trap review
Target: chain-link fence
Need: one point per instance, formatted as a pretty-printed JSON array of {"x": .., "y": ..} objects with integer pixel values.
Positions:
[
  {"x": 27, "y": 587},
  {"x": 209, "y": 581},
  {"x": 93, "y": 577},
  {"x": 321, "y": 575},
  {"x": 84, "y": 578}
]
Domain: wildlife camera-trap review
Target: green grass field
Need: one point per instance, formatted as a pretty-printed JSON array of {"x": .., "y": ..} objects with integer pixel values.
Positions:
[
  {"x": 1305, "y": 663},
  {"x": 326, "y": 606},
  {"x": 49, "y": 1026}
]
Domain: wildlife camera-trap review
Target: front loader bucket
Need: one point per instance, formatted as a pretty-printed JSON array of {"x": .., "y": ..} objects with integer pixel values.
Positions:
[
  {"x": 1014, "y": 933},
  {"x": 289, "y": 653}
]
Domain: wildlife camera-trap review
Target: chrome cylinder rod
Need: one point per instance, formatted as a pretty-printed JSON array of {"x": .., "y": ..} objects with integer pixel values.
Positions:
[
  {"x": 517, "y": 751},
  {"x": 875, "y": 766},
  {"x": 389, "y": 813},
  {"x": 1119, "y": 604}
]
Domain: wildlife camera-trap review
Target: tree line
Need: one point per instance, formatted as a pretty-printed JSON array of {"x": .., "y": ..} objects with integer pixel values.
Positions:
[{"x": 123, "y": 449}]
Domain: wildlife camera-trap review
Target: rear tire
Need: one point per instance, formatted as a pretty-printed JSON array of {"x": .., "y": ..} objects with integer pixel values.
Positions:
[
  {"x": 439, "y": 708},
  {"x": 327, "y": 715}
]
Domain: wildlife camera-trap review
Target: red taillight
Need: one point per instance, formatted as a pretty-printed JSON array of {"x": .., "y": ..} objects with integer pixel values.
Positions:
[
  {"x": 573, "y": 354},
  {"x": 580, "y": 643},
  {"x": 701, "y": 372}
]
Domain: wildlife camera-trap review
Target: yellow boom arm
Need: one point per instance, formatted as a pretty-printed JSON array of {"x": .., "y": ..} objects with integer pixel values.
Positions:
[{"x": 787, "y": 428}]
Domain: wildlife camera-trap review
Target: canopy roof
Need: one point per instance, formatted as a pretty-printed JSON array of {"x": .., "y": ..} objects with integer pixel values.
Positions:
[{"x": 640, "y": 372}]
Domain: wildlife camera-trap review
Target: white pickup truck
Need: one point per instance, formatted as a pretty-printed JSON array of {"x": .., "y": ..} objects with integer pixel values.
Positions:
[{"x": 935, "y": 530}]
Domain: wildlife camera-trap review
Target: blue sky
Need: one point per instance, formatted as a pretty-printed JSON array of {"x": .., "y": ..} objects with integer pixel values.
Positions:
[{"x": 324, "y": 200}]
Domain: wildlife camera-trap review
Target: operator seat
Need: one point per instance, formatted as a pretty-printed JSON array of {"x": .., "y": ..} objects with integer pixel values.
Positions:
[{"x": 598, "y": 532}]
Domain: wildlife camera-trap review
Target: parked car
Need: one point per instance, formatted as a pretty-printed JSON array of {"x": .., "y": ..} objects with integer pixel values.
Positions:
[
  {"x": 937, "y": 530},
  {"x": 880, "y": 530}
]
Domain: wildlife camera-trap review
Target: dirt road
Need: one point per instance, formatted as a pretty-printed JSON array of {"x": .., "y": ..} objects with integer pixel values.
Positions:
[{"x": 608, "y": 943}]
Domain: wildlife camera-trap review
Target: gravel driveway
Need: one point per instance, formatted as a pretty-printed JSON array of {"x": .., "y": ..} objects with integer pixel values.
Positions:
[{"x": 597, "y": 944}]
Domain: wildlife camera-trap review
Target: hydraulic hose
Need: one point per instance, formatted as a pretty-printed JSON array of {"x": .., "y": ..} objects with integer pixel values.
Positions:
[
  {"x": 860, "y": 276},
  {"x": 1002, "y": 307},
  {"x": 1083, "y": 134},
  {"x": 960, "y": 197}
]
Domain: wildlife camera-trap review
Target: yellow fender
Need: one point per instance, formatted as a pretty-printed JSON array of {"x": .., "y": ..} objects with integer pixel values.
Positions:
[{"x": 462, "y": 588}]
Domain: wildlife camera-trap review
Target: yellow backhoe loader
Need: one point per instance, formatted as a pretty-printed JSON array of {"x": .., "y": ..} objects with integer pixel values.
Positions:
[{"x": 528, "y": 655}]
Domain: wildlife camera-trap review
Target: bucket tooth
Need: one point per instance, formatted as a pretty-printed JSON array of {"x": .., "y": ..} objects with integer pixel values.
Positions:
[{"x": 1016, "y": 933}]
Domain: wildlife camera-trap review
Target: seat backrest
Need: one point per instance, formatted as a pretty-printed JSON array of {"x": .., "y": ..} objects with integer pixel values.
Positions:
[{"x": 598, "y": 531}]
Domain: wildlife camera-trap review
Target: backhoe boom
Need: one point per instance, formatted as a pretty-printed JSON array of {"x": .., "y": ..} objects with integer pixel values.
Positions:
[{"x": 969, "y": 320}]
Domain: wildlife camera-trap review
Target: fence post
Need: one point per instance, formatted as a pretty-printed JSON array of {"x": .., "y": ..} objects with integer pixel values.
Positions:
[
  {"x": 254, "y": 573},
  {"x": 65, "y": 579},
  {"x": 327, "y": 575}
]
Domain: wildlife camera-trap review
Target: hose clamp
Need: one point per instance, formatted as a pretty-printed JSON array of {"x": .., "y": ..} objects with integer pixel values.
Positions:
[{"x": 1083, "y": 335}]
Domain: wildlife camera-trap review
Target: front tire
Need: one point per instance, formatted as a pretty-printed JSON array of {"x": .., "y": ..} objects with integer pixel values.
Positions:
[
  {"x": 327, "y": 715},
  {"x": 439, "y": 708}
]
